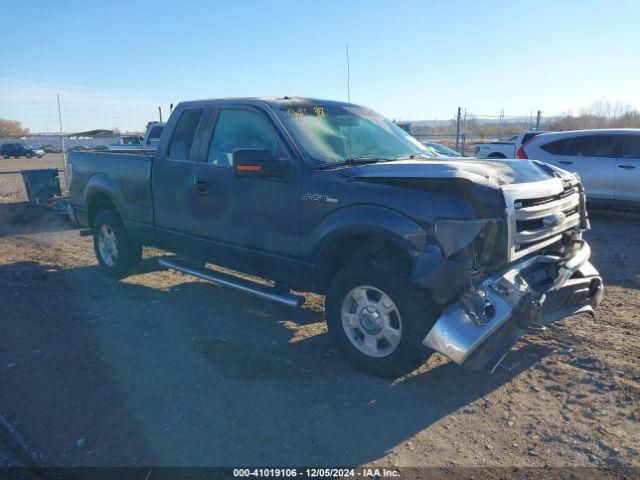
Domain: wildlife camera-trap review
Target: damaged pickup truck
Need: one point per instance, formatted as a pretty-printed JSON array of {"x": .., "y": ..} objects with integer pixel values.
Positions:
[{"x": 415, "y": 254}]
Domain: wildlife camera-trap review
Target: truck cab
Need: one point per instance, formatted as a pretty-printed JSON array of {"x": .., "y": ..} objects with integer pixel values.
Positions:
[{"x": 149, "y": 141}]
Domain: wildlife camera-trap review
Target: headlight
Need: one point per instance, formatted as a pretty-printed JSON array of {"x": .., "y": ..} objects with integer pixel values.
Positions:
[
  {"x": 468, "y": 241},
  {"x": 454, "y": 235}
]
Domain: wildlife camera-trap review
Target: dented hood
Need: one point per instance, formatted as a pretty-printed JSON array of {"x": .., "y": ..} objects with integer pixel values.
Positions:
[{"x": 490, "y": 173}]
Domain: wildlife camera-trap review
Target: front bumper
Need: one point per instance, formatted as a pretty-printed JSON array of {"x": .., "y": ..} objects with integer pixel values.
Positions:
[{"x": 478, "y": 330}]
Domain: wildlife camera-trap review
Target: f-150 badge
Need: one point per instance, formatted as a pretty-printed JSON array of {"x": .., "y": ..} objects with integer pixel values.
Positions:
[{"x": 316, "y": 197}]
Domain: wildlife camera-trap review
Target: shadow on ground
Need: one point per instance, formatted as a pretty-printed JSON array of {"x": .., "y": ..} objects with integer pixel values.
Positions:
[
  {"x": 23, "y": 218},
  {"x": 100, "y": 372}
]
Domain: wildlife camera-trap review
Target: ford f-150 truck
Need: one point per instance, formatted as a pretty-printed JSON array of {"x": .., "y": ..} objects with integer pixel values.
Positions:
[{"x": 415, "y": 254}]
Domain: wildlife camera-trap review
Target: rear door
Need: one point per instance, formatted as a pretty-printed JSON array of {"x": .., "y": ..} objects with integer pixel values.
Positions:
[
  {"x": 627, "y": 185},
  {"x": 173, "y": 180},
  {"x": 593, "y": 158}
]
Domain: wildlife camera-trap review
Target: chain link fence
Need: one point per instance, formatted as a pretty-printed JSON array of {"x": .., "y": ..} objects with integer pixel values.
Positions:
[{"x": 464, "y": 129}]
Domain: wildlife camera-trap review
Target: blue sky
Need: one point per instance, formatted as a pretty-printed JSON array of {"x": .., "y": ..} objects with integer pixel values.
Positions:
[{"x": 114, "y": 62}]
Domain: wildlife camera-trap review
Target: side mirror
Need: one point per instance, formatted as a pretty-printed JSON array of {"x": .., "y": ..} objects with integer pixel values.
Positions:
[{"x": 257, "y": 162}]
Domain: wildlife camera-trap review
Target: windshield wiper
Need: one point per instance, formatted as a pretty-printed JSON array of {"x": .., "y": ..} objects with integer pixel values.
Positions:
[
  {"x": 412, "y": 156},
  {"x": 352, "y": 161}
]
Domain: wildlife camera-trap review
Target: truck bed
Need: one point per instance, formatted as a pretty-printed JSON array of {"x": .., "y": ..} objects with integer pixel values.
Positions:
[{"x": 127, "y": 175}]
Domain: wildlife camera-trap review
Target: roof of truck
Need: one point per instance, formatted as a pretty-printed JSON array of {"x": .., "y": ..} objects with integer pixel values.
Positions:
[{"x": 286, "y": 100}]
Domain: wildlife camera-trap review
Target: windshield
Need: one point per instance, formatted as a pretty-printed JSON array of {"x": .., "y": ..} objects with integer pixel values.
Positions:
[
  {"x": 154, "y": 134},
  {"x": 328, "y": 134}
]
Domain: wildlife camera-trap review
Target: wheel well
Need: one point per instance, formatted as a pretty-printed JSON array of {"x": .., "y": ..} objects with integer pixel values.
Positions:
[
  {"x": 98, "y": 203},
  {"x": 497, "y": 155},
  {"x": 347, "y": 247}
]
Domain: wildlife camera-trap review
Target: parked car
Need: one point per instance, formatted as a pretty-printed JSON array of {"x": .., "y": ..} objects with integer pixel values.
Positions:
[
  {"x": 18, "y": 150},
  {"x": 50, "y": 148},
  {"x": 79, "y": 147},
  {"x": 608, "y": 161},
  {"x": 149, "y": 141},
  {"x": 38, "y": 152},
  {"x": 442, "y": 150},
  {"x": 508, "y": 149},
  {"x": 414, "y": 254}
]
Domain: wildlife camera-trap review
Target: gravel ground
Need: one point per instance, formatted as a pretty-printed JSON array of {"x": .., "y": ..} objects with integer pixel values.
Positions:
[{"x": 163, "y": 369}]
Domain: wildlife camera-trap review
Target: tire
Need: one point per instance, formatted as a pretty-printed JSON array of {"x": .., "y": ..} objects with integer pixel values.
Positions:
[
  {"x": 347, "y": 321},
  {"x": 117, "y": 255},
  {"x": 28, "y": 155},
  {"x": 496, "y": 155}
]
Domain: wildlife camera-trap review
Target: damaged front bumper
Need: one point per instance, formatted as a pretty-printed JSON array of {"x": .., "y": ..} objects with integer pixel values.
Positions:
[{"x": 478, "y": 330}]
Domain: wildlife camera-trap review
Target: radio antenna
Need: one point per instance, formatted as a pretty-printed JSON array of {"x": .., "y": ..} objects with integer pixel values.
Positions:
[{"x": 349, "y": 98}]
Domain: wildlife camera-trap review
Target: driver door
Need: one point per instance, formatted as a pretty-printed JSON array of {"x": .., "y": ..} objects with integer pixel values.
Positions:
[{"x": 248, "y": 220}]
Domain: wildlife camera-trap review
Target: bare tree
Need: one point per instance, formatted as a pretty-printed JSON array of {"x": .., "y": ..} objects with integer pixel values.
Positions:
[
  {"x": 12, "y": 128},
  {"x": 599, "y": 115}
]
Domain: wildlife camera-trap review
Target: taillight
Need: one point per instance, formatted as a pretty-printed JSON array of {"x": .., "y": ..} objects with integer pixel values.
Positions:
[
  {"x": 68, "y": 174},
  {"x": 521, "y": 153}
]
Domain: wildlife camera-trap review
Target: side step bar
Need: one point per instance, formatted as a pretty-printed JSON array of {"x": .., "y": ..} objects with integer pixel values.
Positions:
[{"x": 286, "y": 299}]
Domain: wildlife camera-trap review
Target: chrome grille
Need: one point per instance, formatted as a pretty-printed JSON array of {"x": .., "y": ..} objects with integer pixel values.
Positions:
[{"x": 539, "y": 213}]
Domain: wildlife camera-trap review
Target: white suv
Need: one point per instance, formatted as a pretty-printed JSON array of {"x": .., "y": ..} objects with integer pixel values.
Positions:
[{"x": 608, "y": 161}]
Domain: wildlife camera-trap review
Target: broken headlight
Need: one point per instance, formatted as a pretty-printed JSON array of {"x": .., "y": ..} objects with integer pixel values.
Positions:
[{"x": 470, "y": 242}]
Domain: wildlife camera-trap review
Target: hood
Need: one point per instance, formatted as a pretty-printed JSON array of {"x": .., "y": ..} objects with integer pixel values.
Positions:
[{"x": 490, "y": 173}]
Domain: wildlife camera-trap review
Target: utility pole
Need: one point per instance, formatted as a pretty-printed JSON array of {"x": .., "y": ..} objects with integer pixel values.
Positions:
[
  {"x": 500, "y": 125},
  {"x": 160, "y": 113},
  {"x": 464, "y": 129},
  {"x": 458, "y": 128},
  {"x": 349, "y": 96},
  {"x": 64, "y": 155},
  {"x": 538, "y": 118}
]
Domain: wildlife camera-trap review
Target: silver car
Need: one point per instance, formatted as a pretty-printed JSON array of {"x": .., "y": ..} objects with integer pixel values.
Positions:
[{"x": 608, "y": 160}]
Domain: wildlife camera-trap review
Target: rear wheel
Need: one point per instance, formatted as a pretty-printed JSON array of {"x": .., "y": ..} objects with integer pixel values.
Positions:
[
  {"x": 378, "y": 318},
  {"x": 497, "y": 155},
  {"x": 117, "y": 255}
]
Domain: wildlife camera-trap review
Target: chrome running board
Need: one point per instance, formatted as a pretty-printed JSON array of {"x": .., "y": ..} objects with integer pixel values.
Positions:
[{"x": 287, "y": 299}]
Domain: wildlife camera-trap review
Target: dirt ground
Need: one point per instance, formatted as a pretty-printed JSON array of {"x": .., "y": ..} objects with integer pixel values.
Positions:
[{"x": 164, "y": 369}]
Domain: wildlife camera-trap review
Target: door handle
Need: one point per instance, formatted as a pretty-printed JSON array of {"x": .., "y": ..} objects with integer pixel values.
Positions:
[
  {"x": 566, "y": 162},
  {"x": 627, "y": 167},
  {"x": 203, "y": 187}
]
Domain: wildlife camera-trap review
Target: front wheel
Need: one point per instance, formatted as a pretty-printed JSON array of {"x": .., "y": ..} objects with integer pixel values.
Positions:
[
  {"x": 117, "y": 255},
  {"x": 28, "y": 155},
  {"x": 378, "y": 318}
]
